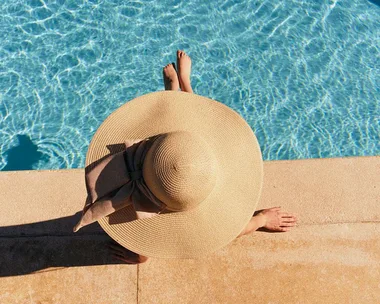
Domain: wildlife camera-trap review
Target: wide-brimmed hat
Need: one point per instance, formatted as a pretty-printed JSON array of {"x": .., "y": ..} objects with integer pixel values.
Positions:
[{"x": 173, "y": 175}]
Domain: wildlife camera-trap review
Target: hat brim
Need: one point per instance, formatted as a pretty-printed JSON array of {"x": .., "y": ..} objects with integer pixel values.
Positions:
[{"x": 225, "y": 212}]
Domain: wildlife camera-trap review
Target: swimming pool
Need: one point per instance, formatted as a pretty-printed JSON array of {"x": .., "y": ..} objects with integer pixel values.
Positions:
[{"x": 302, "y": 73}]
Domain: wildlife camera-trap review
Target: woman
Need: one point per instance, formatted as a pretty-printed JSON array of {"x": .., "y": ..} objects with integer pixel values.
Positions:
[{"x": 187, "y": 186}]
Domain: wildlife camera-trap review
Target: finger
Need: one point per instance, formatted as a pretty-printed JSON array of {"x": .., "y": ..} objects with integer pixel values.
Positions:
[
  {"x": 115, "y": 248},
  {"x": 288, "y": 220},
  {"x": 118, "y": 257},
  {"x": 115, "y": 245},
  {"x": 275, "y": 208},
  {"x": 121, "y": 251},
  {"x": 123, "y": 258},
  {"x": 285, "y": 229},
  {"x": 286, "y": 214},
  {"x": 287, "y": 225},
  {"x": 294, "y": 223}
]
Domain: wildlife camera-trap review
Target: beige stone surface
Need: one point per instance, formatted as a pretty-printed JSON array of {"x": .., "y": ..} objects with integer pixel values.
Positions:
[
  {"x": 42, "y": 260},
  {"x": 335, "y": 263},
  {"x": 331, "y": 190},
  {"x": 331, "y": 257},
  {"x": 34, "y": 196},
  {"x": 96, "y": 284}
]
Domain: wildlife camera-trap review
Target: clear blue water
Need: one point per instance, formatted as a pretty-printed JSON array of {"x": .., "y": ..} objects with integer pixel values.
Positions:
[{"x": 304, "y": 74}]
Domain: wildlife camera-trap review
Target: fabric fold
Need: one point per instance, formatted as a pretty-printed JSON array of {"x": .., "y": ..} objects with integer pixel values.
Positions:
[{"x": 117, "y": 182}]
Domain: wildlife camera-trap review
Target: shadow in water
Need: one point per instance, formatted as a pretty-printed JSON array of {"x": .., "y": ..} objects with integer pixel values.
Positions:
[
  {"x": 377, "y": 2},
  {"x": 32, "y": 248},
  {"x": 23, "y": 156}
]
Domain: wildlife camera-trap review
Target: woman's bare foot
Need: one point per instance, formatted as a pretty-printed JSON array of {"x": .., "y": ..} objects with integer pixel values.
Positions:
[
  {"x": 274, "y": 219},
  {"x": 123, "y": 254},
  {"x": 170, "y": 77},
  {"x": 184, "y": 71}
]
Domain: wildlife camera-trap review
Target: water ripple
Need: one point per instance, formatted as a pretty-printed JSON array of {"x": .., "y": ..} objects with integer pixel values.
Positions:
[{"x": 303, "y": 74}]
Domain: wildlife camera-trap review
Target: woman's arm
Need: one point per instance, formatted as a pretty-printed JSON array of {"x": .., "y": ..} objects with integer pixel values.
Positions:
[
  {"x": 272, "y": 219},
  {"x": 255, "y": 223}
]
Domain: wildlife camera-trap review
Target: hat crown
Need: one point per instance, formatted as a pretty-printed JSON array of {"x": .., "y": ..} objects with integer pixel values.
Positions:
[{"x": 180, "y": 169}]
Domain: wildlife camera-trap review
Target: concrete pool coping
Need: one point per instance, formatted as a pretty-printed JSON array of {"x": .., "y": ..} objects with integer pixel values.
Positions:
[{"x": 332, "y": 256}]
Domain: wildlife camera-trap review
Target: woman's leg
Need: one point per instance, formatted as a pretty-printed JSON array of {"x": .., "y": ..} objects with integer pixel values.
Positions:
[
  {"x": 170, "y": 77},
  {"x": 184, "y": 71}
]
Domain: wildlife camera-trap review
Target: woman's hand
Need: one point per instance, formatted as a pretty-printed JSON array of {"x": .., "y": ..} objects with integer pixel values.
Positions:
[
  {"x": 123, "y": 254},
  {"x": 276, "y": 220}
]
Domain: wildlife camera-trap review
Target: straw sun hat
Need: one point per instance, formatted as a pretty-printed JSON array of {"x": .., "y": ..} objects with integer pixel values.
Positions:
[{"x": 172, "y": 175}]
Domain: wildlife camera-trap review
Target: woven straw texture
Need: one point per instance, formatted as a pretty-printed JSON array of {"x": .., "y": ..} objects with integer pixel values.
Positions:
[{"x": 224, "y": 213}]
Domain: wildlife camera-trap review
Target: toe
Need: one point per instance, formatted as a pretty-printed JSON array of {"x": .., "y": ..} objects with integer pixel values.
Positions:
[{"x": 167, "y": 68}]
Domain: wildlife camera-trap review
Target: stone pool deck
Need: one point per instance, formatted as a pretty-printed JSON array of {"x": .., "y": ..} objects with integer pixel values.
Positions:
[{"x": 332, "y": 256}]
